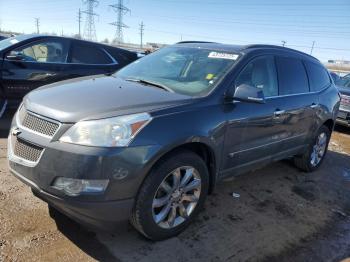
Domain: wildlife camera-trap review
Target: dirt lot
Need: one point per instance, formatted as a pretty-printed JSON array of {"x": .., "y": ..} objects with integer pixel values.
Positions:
[{"x": 281, "y": 215}]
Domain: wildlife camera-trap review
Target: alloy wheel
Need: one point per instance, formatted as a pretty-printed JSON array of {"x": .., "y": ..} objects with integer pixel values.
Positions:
[
  {"x": 319, "y": 149},
  {"x": 176, "y": 197}
]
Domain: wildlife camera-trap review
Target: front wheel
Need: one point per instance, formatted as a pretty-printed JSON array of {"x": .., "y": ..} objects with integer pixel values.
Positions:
[
  {"x": 314, "y": 155},
  {"x": 171, "y": 196}
]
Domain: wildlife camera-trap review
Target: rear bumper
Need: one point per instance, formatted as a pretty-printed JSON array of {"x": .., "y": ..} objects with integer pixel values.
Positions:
[{"x": 106, "y": 215}]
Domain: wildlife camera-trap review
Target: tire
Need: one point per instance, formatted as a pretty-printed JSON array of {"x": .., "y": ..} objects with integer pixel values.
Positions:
[
  {"x": 306, "y": 161},
  {"x": 161, "y": 184}
]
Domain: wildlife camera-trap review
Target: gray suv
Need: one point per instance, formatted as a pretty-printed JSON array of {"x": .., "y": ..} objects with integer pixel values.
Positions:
[{"x": 150, "y": 142}]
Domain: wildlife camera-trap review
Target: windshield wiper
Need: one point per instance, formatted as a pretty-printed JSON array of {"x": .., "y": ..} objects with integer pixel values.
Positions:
[{"x": 147, "y": 82}]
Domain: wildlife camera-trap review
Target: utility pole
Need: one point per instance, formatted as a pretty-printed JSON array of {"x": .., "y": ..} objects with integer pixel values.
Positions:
[
  {"x": 90, "y": 30},
  {"x": 37, "y": 24},
  {"x": 283, "y": 42},
  {"x": 312, "y": 47},
  {"x": 79, "y": 21},
  {"x": 121, "y": 10},
  {"x": 142, "y": 28}
]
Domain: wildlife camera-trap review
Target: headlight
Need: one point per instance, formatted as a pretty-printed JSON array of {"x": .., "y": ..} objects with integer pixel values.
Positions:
[{"x": 109, "y": 132}]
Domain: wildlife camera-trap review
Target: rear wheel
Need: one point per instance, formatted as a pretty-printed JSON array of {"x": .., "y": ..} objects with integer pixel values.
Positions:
[
  {"x": 171, "y": 196},
  {"x": 314, "y": 155}
]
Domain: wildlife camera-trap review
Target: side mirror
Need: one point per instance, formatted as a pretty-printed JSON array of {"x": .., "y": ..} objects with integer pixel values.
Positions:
[
  {"x": 13, "y": 56},
  {"x": 248, "y": 93}
]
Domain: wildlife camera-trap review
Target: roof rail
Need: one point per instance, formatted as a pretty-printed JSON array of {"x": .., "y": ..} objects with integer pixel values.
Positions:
[
  {"x": 195, "y": 42},
  {"x": 277, "y": 47}
]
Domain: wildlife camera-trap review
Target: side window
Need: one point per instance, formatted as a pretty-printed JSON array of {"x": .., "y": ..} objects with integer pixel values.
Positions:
[
  {"x": 260, "y": 73},
  {"x": 88, "y": 54},
  {"x": 318, "y": 76},
  {"x": 292, "y": 76},
  {"x": 51, "y": 51}
]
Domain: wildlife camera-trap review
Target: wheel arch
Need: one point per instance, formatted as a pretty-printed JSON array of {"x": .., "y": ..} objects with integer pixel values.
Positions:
[
  {"x": 203, "y": 150},
  {"x": 329, "y": 124}
]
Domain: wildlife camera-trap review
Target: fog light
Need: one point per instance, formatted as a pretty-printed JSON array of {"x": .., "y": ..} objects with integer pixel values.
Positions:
[{"x": 75, "y": 187}]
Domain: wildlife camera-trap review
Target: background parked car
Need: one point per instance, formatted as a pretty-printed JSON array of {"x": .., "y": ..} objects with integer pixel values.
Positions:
[
  {"x": 343, "y": 81},
  {"x": 2, "y": 37},
  {"x": 343, "y": 85},
  {"x": 335, "y": 76},
  {"x": 30, "y": 61}
]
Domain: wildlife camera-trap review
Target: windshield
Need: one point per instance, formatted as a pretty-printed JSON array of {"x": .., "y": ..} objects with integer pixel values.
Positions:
[
  {"x": 185, "y": 70},
  {"x": 11, "y": 41}
]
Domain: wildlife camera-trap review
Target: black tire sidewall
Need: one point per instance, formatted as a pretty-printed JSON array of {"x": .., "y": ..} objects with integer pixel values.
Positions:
[{"x": 151, "y": 184}]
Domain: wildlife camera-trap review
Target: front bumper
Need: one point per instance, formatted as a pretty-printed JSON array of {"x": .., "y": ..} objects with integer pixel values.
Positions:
[
  {"x": 97, "y": 215},
  {"x": 125, "y": 168},
  {"x": 343, "y": 117}
]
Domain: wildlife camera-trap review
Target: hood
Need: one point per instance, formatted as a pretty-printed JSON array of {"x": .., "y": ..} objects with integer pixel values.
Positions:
[
  {"x": 97, "y": 97},
  {"x": 344, "y": 90}
]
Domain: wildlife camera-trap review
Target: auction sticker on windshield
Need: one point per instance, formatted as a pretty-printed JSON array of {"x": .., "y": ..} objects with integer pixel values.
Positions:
[{"x": 223, "y": 55}]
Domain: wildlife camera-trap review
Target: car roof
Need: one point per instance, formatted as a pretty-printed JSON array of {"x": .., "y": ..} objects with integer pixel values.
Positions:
[
  {"x": 25, "y": 37},
  {"x": 241, "y": 48}
]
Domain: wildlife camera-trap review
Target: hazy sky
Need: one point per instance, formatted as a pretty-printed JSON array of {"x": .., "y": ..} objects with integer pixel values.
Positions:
[{"x": 298, "y": 22}]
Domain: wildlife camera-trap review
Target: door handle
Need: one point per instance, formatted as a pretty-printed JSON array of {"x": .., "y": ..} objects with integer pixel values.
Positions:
[
  {"x": 314, "y": 105},
  {"x": 278, "y": 113}
]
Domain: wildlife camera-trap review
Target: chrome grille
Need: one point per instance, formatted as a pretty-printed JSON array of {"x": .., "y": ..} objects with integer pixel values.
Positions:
[
  {"x": 27, "y": 151},
  {"x": 37, "y": 124}
]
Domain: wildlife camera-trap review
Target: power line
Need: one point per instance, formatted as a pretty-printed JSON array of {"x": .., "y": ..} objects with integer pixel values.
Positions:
[
  {"x": 240, "y": 41},
  {"x": 90, "y": 30},
  {"x": 37, "y": 24},
  {"x": 142, "y": 28},
  {"x": 254, "y": 22},
  {"x": 121, "y": 10},
  {"x": 256, "y": 4},
  {"x": 297, "y": 28}
]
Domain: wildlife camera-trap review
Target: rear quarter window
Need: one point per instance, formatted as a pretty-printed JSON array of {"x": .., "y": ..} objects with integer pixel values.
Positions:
[
  {"x": 122, "y": 57},
  {"x": 318, "y": 76},
  {"x": 88, "y": 54},
  {"x": 292, "y": 77}
]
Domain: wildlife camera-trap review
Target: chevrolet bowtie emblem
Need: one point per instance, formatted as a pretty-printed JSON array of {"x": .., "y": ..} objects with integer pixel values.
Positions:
[{"x": 15, "y": 131}]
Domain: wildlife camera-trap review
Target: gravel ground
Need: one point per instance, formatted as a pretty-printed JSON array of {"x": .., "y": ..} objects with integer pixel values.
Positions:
[{"x": 282, "y": 214}]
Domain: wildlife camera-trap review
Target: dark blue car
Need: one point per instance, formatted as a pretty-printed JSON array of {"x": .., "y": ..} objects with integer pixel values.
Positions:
[{"x": 150, "y": 142}]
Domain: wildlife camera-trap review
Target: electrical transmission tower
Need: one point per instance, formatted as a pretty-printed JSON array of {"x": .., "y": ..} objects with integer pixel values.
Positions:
[
  {"x": 142, "y": 28},
  {"x": 90, "y": 30},
  {"x": 37, "y": 25},
  {"x": 79, "y": 21},
  {"x": 312, "y": 47},
  {"x": 121, "y": 10}
]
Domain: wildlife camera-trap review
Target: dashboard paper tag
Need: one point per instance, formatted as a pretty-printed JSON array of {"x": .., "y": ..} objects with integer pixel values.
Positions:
[{"x": 14, "y": 41}]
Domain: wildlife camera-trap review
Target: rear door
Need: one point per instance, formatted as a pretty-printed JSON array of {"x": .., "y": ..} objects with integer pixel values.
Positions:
[
  {"x": 295, "y": 104},
  {"x": 90, "y": 59},
  {"x": 42, "y": 62}
]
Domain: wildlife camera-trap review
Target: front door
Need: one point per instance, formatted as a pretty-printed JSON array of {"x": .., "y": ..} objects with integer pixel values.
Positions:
[
  {"x": 252, "y": 127},
  {"x": 39, "y": 63}
]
